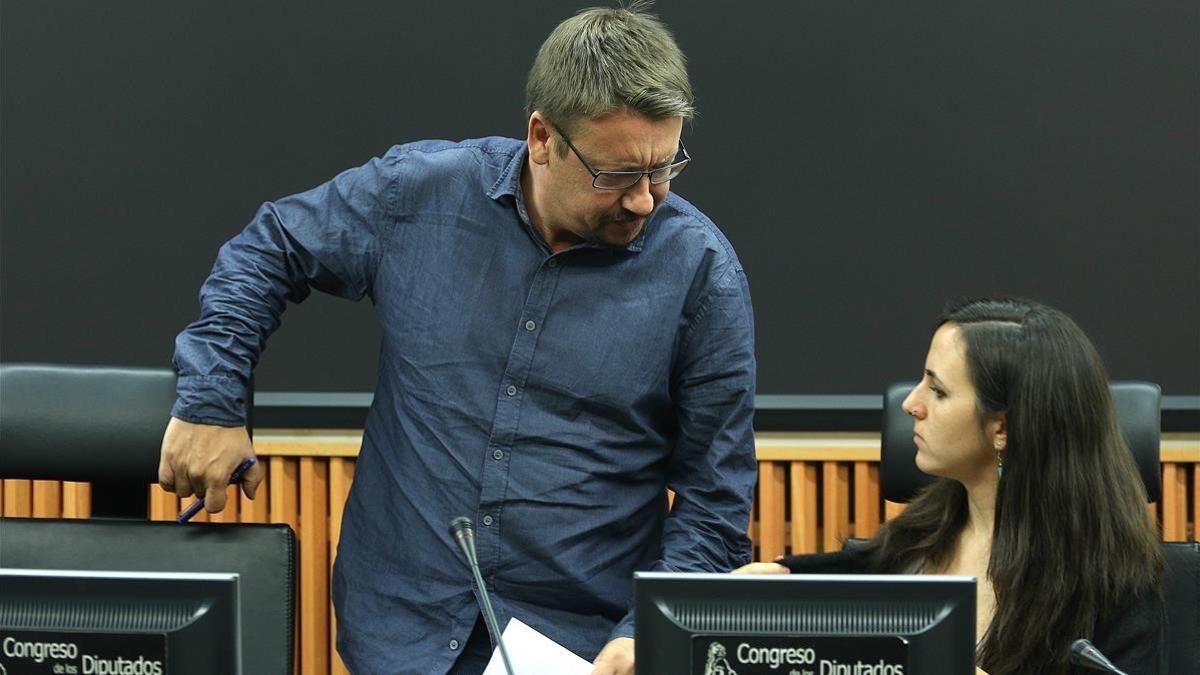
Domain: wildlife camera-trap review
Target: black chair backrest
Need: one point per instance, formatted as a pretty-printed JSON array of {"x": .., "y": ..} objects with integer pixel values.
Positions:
[
  {"x": 102, "y": 425},
  {"x": 1138, "y": 406},
  {"x": 96, "y": 423}
]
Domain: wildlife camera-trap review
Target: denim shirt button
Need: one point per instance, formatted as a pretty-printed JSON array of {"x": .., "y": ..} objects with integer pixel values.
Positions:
[
  {"x": 511, "y": 391},
  {"x": 487, "y": 520}
]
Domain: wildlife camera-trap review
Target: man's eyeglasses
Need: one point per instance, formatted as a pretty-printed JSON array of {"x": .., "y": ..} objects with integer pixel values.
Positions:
[{"x": 623, "y": 180}]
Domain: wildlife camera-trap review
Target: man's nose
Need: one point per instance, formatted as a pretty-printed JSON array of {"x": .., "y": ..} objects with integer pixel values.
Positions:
[{"x": 638, "y": 198}]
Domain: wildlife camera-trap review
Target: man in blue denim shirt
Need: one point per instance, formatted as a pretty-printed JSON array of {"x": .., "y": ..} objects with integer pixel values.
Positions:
[{"x": 563, "y": 342}]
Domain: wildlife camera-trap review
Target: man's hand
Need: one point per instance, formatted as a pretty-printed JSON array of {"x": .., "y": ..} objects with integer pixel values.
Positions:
[
  {"x": 199, "y": 458},
  {"x": 762, "y": 568},
  {"x": 615, "y": 659}
]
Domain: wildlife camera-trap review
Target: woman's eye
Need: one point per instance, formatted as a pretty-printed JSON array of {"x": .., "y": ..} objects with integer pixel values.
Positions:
[{"x": 937, "y": 392}]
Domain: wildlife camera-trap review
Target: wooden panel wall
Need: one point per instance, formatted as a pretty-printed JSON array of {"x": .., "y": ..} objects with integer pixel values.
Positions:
[{"x": 813, "y": 491}]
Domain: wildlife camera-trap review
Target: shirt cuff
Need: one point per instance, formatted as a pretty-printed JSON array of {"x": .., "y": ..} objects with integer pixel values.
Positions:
[
  {"x": 219, "y": 401},
  {"x": 624, "y": 628}
]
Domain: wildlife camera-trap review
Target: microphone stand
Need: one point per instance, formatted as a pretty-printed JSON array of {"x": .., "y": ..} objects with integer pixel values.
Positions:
[{"x": 463, "y": 532}]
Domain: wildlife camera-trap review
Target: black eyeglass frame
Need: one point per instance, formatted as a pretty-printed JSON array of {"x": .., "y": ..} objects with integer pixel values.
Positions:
[{"x": 672, "y": 170}]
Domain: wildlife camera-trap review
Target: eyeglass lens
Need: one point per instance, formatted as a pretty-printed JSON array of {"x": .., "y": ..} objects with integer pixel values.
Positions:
[{"x": 612, "y": 180}]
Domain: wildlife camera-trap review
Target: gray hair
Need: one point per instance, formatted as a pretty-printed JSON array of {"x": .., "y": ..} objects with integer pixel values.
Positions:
[{"x": 604, "y": 60}]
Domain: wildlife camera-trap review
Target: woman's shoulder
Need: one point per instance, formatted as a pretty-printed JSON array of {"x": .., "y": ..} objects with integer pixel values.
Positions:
[{"x": 1134, "y": 636}]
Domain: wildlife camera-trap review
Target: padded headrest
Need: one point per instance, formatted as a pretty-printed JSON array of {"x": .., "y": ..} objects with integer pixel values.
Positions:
[{"x": 83, "y": 423}]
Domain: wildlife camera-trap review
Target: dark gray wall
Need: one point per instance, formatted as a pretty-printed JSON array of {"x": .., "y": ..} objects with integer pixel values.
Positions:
[{"x": 869, "y": 160}]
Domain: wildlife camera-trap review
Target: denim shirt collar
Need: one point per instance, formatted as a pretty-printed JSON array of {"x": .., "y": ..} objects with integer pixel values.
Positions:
[{"x": 508, "y": 184}]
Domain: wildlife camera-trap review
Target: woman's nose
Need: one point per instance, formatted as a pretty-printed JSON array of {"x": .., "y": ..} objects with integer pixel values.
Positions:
[{"x": 911, "y": 405}]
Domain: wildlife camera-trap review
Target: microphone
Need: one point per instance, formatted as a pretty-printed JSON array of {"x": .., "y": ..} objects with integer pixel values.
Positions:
[
  {"x": 463, "y": 532},
  {"x": 1084, "y": 653}
]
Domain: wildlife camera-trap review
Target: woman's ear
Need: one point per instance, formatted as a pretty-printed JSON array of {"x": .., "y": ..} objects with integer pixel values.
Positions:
[{"x": 997, "y": 430}]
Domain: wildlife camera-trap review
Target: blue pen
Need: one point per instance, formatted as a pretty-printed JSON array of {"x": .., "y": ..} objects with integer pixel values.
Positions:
[{"x": 238, "y": 473}]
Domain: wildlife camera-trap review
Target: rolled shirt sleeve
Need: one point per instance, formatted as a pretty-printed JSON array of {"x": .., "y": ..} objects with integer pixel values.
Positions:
[{"x": 328, "y": 238}]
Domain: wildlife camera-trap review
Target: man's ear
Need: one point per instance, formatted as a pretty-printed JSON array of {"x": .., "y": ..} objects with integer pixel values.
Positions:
[
  {"x": 539, "y": 139},
  {"x": 997, "y": 428}
]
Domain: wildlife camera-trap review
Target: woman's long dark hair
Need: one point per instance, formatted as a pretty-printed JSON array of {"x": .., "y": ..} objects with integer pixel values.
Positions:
[{"x": 1072, "y": 539}]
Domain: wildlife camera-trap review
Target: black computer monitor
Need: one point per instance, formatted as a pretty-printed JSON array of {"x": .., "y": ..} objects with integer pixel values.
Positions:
[
  {"x": 802, "y": 624},
  {"x": 56, "y": 622}
]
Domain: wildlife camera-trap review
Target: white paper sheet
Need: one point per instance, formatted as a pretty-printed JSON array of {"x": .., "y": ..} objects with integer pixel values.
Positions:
[{"x": 532, "y": 653}]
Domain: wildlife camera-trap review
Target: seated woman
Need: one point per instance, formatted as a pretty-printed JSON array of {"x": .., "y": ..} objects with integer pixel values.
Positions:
[{"x": 1038, "y": 497}]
